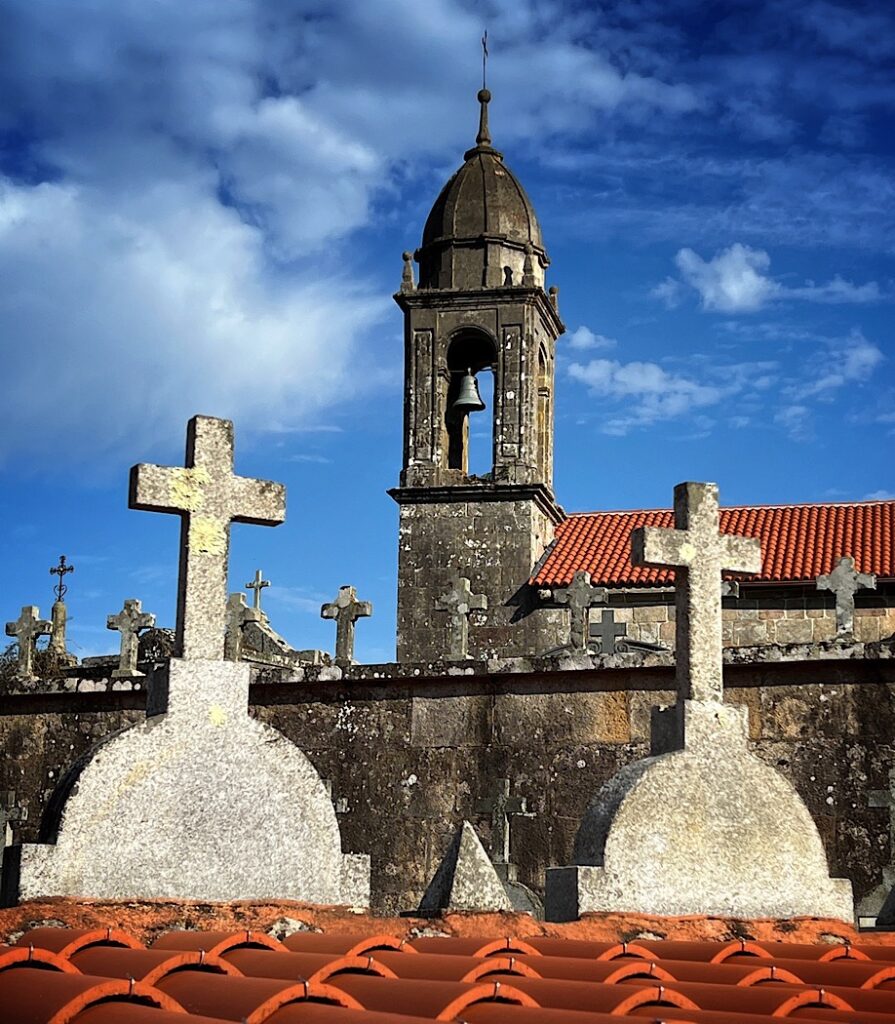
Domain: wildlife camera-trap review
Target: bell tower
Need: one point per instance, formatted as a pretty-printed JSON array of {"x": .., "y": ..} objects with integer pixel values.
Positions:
[{"x": 479, "y": 307}]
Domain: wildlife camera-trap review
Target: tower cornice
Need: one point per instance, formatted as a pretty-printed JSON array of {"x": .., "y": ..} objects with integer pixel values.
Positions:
[{"x": 476, "y": 298}]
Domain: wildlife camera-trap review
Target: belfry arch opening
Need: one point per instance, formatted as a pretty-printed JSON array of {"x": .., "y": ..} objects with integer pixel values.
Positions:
[{"x": 471, "y": 444}]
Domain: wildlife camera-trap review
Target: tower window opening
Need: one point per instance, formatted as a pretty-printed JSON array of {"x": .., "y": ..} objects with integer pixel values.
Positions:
[
  {"x": 471, "y": 360},
  {"x": 480, "y": 458}
]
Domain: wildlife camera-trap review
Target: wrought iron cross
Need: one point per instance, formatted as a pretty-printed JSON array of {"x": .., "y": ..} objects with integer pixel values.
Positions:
[
  {"x": 61, "y": 570},
  {"x": 606, "y": 631}
]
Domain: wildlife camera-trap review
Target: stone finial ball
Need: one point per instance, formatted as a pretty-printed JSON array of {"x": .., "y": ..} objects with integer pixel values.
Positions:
[
  {"x": 484, "y": 96},
  {"x": 406, "y": 256}
]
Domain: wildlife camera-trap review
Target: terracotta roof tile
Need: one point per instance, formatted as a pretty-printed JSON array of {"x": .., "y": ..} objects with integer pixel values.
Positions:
[
  {"x": 538, "y": 980},
  {"x": 798, "y": 542}
]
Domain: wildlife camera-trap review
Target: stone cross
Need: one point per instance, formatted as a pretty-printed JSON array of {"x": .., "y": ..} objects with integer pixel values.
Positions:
[
  {"x": 580, "y": 596},
  {"x": 500, "y": 805},
  {"x": 459, "y": 601},
  {"x": 128, "y": 622},
  {"x": 26, "y": 629},
  {"x": 844, "y": 580},
  {"x": 699, "y": 554},
  {"x": 257, "y": 585},
  {"x": 238, "y": 616},
  {"x": 607, "y": 630},
  {"x": 10, "y": 813},
  {"x": 346, "y": 610},
  {"x": 208, "y": 497}
]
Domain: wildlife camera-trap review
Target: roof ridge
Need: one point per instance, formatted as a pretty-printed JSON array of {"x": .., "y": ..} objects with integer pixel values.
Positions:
[{"x": 730, "y": 508}]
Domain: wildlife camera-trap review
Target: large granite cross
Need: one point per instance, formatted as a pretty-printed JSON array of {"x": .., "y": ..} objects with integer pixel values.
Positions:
[
  {"x": 606, "y": 631},
  {"x": 208, "y": 497},
  {"x": 500, "y": 805},
  {"x": 580, "y": 595},
  {"x": 844, "y": 580},
  {"x": 459, "y": 601},
  {"x": 128, "y": 622},
  {"x": 26, "y": 629},
  {"x": 346, "y": 610},
  {"x": 699, "y": 554}
]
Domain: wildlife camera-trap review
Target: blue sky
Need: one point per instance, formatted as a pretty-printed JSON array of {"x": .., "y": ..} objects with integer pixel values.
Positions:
[{"x": 203, "y": 207}]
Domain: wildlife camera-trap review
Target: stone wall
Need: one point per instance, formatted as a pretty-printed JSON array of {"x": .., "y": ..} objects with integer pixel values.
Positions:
[{"x": 411, "y": 750}]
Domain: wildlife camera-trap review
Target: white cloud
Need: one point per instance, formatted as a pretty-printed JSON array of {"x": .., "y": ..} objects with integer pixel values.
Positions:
[
  {"x": 879, "y": 496},
  {"x": 850, "y": 360},
  {"x": 735, "y": 280},
  {"x": 732, "y": 281},
  {"x": 584, "y": 338},
  {"x": 648, "y": 391},
  {"x": 795, "y": 420}
]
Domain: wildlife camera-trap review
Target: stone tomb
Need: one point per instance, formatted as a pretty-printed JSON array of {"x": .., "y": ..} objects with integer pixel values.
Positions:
[
  {"x": 200, "y": 801},
  {"x": 705, "y": 826}
]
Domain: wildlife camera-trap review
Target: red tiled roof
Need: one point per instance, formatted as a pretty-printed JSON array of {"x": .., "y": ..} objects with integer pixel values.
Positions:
[
  {"x": 798, "y": 542},
  {"x": 324, "y": 979}
]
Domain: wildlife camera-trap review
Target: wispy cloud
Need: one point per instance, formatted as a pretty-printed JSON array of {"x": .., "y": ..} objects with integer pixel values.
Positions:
[
  {"x": 736, "y": 280},
  {"x": 584, "y": 339},
  {"x": 849, "y": 360}
]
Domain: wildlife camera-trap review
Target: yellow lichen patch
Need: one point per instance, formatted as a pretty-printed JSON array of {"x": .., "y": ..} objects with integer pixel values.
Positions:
[
  {"x": 187, "y": 488},
  {"x": 688, "y": 552},
  {"x": 217, "y": 715},
  {"x": 207, "y": 535}
]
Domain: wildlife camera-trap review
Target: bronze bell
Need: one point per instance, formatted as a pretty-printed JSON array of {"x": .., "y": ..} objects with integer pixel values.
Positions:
[{"x": 468, "y": 398}]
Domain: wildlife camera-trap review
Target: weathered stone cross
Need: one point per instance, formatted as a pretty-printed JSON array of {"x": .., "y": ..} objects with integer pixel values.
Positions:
[
  {"x": 699, "y": 554},
  {"x": 257, "y": 585},
  {"x": 844, "y": 580},
  {"x": 500, "y": 805},
  {"x": 128, "y": 622},
  {"x": 26, "y": 629},
  {"x": 208, "y": 497},
  {"x": 607, "y": 630},
  {"x": 580, "y": 596},
  {"x": 238, "y": 616},
  {"x": 346, "y": 610},
  {"x": 459, "y": 601},
  {"x": 10, "y": 813}
]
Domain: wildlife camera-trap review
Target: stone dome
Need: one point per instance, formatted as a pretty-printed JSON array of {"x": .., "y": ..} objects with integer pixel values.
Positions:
[{"x": 481, "y": 225}]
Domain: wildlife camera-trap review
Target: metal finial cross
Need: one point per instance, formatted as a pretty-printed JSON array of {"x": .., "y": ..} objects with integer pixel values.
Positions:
[
  {"x": 485, "y": 59},
  {"x": 346, "y": 610},
  {"x": 606, "y": 631},
  {"x": 208, "y": 497},
  {"x": 257, "y": 585},
  {"x": 699, "y": 554},
  {"x": 500, "y": 805},
  {"x": 61, "y": 570},
  {"x": 580, "y": 595}
]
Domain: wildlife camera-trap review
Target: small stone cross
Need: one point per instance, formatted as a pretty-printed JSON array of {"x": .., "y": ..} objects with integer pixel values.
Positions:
[
  {"x": 580, "y": 596},
  {"x": 257, "y": 585},
  {"x": 128, "y": 622},
  {"x": 208, "y": 497},
  {"x": 346, "y": 610},
  {"x": 699, "y": 554},
  {"x": 886, "y": 798},
  {"x": 10, "y": 813},
  {"x": 844, "y": 580},
  {"x": 459, "y": 601},
  {"x": 500, "y": 805},
  {"x": 238, "y": 616},
  {"x": 26, "y": 629},
  {"x": 606, "y": 630}
]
